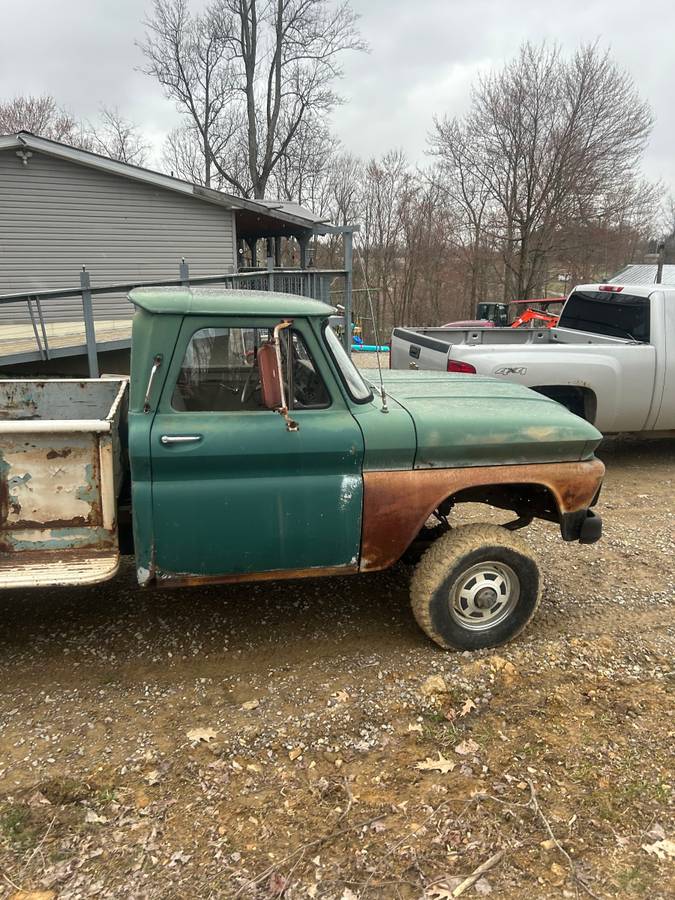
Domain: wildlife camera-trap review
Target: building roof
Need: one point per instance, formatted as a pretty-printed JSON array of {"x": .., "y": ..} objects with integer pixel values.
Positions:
[
  {"x": 255, "y": 218},
  {"x": 643, "y": 274},
  {"x": 217, "y": 301}
]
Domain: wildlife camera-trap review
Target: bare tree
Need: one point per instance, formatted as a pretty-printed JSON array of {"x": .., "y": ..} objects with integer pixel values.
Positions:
[
  {"x": 248, "y": 74},
  {"x": 118, "y": 138},
  {"x": 303, "y": 172},
  {"x": 41, "y": 116},
  {"x": 549, "y": 140}
]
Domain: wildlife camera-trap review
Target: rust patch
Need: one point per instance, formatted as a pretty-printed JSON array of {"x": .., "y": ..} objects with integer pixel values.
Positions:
[
  {"x": 4, "y": 501},
  {"x": 182, "y": 579},
  {"x": 397, "y": 504},
  {"x": 59, "y": 454}
]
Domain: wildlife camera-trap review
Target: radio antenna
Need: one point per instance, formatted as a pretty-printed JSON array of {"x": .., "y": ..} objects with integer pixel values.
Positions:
[{"x": 383, "y": 393}]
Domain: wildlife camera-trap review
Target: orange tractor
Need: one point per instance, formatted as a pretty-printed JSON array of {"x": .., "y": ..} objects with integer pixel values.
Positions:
[{"x": 531, "y": 318}]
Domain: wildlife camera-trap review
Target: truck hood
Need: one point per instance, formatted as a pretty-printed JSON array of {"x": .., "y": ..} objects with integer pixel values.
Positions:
[{"x": 472, "y": 420}]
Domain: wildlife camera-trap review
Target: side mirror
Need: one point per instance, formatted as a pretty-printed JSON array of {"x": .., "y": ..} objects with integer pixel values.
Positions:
[{"x": 270, "y": 368}]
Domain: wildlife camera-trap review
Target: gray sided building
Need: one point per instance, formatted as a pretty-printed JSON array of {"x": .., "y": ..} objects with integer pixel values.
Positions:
[{"x": 62, "y": 208}]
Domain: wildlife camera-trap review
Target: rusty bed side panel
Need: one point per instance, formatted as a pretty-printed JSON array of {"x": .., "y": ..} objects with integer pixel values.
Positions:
[
  {"x": 397, "y": 504},
  {"x": 50, "y": 491}
]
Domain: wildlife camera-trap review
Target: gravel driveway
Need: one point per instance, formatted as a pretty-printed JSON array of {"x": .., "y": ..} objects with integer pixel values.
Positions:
[{"x": 305, "y": 739}]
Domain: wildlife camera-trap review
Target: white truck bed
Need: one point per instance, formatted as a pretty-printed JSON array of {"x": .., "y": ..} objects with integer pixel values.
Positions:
[{"x": 60, "y": 475}]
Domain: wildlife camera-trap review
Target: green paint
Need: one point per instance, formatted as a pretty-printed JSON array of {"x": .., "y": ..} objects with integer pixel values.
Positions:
[
  {"x": 89, "y": 491},
  {"x": 252, "y": 496},
  {"x": 471, "y": 420},
  {"x": 219, "y": 302}
]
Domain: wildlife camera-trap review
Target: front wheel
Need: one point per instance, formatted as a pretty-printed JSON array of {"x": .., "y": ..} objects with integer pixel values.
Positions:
[{"x": 477, "y": 586}]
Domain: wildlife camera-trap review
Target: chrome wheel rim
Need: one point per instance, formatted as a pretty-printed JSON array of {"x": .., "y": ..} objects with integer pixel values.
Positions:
[{"x": 484, "y": 596}]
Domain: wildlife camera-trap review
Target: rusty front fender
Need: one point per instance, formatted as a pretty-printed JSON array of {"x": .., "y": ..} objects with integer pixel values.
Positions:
[{"x": 397, "y": 504}]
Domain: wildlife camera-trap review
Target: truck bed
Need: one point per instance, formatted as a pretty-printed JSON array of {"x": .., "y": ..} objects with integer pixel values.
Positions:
[{"x": 60, "y": 474}]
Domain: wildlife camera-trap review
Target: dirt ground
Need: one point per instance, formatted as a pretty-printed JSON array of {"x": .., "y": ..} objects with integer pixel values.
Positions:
[{"x": 265, "y": 741}]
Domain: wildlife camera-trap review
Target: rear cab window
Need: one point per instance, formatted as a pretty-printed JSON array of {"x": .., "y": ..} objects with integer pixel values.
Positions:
[{"x": 610, "y": 313}]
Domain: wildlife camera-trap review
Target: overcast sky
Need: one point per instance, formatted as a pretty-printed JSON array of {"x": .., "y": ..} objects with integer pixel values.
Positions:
[{"x": 424, "y": 56}]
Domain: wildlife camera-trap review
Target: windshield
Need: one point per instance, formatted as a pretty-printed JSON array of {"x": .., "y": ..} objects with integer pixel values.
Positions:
[
  {"x": 611, "y": 313},
  {"x": 351, "y": 376}
]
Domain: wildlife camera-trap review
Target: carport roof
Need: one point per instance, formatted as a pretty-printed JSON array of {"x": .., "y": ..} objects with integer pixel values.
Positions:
[
  {"x": 255, "y": 218},
  {"x": 643, "y": 274}
]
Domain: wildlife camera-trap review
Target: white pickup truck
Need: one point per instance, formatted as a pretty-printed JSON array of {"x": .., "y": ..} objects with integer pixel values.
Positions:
[{"x": 611, "y": 358}]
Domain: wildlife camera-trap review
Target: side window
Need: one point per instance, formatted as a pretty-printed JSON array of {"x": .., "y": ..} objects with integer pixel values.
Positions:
[{"x": 219, "y": 372}]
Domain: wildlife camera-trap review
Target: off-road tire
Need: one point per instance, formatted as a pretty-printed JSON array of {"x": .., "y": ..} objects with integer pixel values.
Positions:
[
  {"x": 428, "y": 535},
  {"x": 443, "y": 566}
]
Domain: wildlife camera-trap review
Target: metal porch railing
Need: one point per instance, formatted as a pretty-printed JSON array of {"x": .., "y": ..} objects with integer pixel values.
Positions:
[{"x": 41, "y": 325}]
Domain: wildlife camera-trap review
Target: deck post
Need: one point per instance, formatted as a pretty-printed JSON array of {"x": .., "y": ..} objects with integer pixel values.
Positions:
[
  {"x": 270, "y": 270},
  {"x": 89, "y": 328},
  {"x": 304, "y": 246}
]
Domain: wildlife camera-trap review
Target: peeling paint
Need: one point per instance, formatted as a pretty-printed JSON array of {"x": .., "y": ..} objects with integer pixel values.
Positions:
[
  {"x": 349, "y": 486},
  {"x": 52, "y": 482}
]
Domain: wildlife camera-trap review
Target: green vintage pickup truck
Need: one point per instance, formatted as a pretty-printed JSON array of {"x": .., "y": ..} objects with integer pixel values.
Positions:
[{"x": 254, "y": 449}]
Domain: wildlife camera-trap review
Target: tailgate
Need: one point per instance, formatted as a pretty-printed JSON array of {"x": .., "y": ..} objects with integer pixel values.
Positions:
[{"x": 60, "y": 472}]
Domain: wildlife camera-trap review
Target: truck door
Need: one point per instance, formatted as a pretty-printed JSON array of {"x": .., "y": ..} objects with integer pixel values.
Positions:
[{"x": 233, "y": 491}]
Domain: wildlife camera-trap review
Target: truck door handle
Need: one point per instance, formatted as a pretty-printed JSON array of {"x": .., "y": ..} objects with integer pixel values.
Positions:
[{"x": 180, "y": 438}]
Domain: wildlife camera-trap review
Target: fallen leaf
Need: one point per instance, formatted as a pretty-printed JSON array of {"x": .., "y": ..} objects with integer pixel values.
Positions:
[
  {"x": 656, "y": 833},
  {"x": 482, "y": 886},
  {"x": 250, "y": 704},
  {"x": 179, "y": 858},
  {"x": 417, "y": 726},
  {"x": 444, "y": 890},
  {"x": 201, "y": 734},
  {"x": 435, "y": 684},
  {"x": 153, "y": 777},
  {"x": 661, "y": 849},
  {"x": 548, "y": 845},
  {"x": 295, "y": 753},
  {"x": 499, "y": 664},
  {"x": 467, "y": 747},
  {"x": 348, "y": 894},
  {"x": 341, "y": 696},
  {"x": 93, "y": 818},
  {"x": 467, "y": 706},
  {"x": 441, "y": 764},
  {"x": 277, "y": 884}
]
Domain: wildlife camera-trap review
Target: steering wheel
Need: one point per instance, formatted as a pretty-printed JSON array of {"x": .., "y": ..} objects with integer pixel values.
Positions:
[
  {"x": 306, "y": 388},
  {"x": 245, "y": 392}
]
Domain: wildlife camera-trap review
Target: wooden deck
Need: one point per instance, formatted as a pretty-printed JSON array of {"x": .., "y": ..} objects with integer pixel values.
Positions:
[{"x": 18, "y": 344}]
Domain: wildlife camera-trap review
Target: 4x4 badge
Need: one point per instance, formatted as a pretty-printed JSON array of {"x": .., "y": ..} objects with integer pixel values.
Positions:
[{"x": 511, "y": 370}]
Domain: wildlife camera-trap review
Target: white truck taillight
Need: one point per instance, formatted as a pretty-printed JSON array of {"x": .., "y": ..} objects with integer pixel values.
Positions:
[{"x": 456, "y": 365}]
